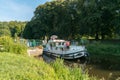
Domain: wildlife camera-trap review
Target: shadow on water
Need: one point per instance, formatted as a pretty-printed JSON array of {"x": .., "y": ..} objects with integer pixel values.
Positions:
[
  {"x": 48, "y": 58},
  {"x": 100, "y": 71}
]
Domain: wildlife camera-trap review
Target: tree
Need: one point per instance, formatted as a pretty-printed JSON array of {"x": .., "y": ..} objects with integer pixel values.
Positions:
[
  {"x": 12, "y": 27},
  {"x": 4, "y": 29},
  {"x": 71, "y": 18}
]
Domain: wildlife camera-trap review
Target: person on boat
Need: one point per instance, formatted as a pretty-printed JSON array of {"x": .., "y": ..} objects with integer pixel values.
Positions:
[{"x": 67, "y": 44}]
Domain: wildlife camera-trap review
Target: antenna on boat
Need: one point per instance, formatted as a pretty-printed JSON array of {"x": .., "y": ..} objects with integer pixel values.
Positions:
[{"x": 45, "y": 40}]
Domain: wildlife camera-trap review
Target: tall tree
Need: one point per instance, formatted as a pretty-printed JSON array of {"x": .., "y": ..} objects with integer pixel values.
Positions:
[{"x": 70, "y": 18}]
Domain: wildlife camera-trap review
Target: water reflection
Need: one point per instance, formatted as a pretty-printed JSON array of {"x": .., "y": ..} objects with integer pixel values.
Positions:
[{"x": 93, "y": 70}]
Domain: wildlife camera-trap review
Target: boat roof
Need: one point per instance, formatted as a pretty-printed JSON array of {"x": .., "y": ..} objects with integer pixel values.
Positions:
[{"x": 57, "y": 40}]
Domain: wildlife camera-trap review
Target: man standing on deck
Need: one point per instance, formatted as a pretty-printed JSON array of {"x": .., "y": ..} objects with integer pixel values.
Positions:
[{"x": 67, "y": 44}]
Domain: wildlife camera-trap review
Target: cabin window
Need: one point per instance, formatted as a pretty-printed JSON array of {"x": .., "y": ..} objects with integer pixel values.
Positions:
[
  {"x": 63, "y": 43},
  {"x": 59, "y": 43},
  {"x": 56, "y": 44}
]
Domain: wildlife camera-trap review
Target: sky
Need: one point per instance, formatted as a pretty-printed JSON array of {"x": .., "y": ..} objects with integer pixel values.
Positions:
[{"x": 18, "y": 10}]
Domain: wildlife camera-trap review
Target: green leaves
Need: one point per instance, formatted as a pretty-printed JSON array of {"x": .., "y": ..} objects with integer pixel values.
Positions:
[
  {"x": 11, "y": 28},
  {"x": 69, "y": 18},
  {"x": 8, "y": 45}
]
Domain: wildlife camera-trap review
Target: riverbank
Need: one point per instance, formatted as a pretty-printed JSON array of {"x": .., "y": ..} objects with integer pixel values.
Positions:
[
  {"x": 105, "y": 54},
  {"x": 104, "y": 60},
  {"x": 21, "y": 67},
  {"x": 92, "y": 69}
]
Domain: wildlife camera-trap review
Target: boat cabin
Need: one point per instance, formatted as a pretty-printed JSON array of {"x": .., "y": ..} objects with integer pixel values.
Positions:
[{"x": 58, "y": 44}]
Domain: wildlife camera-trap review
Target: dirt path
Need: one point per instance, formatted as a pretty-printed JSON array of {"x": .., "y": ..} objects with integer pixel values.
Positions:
[{"x": 35, "y": 51}]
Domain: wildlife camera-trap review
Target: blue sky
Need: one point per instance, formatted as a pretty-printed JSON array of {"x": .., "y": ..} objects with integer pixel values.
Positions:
[{"x": 19, "y": 10}]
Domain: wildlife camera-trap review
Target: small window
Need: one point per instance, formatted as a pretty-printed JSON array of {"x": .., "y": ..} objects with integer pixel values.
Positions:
[
  {"x": 62, "y": 43},
  {"x": 59, "y": 43},
  {"x": 56, "y": 44}
]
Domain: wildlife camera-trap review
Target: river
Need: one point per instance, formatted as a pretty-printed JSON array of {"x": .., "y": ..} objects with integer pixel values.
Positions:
[{"x": 101, "y": 72}]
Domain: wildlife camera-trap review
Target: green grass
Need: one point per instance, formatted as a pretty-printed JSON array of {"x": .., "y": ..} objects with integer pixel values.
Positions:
[
  {"x": 105, "y": 54},
  {"x": 21, "y": 67}
]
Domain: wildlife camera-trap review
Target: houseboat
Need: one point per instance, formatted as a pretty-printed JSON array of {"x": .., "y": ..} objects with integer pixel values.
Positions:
[{"x": 64, "y": 49}]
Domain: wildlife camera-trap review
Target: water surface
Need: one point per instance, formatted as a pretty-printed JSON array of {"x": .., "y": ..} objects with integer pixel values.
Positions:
[{"x": 98, "y": 71}]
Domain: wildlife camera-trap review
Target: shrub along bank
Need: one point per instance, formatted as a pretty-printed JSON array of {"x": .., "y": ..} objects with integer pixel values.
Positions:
[
  {"x": 7, "y": 44},
  {"x": 105, "y": 53}
]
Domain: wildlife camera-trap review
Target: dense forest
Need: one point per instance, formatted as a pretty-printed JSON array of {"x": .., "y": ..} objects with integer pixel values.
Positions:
[
  {"x": 72, "y": 19},
  {"x": 12, "y": 28}
]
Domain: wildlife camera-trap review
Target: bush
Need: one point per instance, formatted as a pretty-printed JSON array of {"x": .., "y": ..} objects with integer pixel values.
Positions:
[
  {"x": 8, "y": 45},
  {"x": 66, "y": 73},
  {"x": 105, "y": 54},
  {"x": 84, "y": 41},
  {"x": 19, "y": 48},
  {"x": 100, "y": 48}
]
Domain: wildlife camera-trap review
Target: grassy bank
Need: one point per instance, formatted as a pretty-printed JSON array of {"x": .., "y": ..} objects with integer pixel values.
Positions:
[
  {"x": 21, "y": 67},
  {"x": 7, "y": 44},
  {"x": 107, "y": 54}
]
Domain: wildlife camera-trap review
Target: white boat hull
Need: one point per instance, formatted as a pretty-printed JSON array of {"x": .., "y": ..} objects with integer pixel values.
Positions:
[
  {"x": 74, "y": 55},
  {"x": 63, "y": 49}
]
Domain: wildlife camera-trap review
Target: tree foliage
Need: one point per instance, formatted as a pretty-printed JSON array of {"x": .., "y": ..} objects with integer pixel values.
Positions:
[
  {"x": 72, "y": 19},
  {"x": 11, "y": 28}
]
